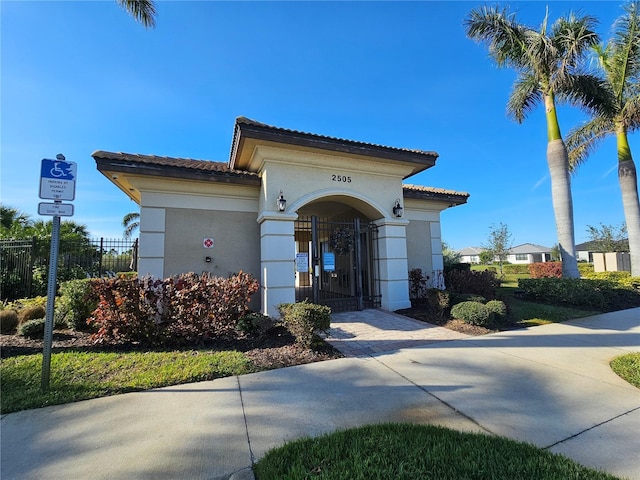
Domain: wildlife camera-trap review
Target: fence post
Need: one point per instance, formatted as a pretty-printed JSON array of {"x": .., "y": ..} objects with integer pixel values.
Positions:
[
  {"x": 100, "y": 257},
  {"x": 32, "y": 261}
]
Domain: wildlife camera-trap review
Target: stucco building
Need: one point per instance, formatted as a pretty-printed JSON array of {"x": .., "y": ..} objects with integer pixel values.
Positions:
[{"x": 310, "y": 216}]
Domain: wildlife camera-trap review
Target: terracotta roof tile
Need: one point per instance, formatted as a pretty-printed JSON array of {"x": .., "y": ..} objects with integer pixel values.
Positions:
[
  {"x": 433, "y": 190},
  {"x": 248, "y": 121},
  {"x": 202, "y": 166}
]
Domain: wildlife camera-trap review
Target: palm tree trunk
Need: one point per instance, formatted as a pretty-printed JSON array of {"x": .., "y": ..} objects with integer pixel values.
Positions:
[
  {"x": 628, "y": 179},
  {"x": 558, "y": 161}
]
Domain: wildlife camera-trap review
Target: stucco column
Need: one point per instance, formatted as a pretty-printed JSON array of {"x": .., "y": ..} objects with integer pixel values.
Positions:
[
  {"x": 151, "y": 245},
  {"x": 277, "y": 260},
  {"x": 394, "y": 270}
]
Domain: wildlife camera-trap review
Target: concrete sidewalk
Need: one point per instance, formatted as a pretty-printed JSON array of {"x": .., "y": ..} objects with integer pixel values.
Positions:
[{"x": 548, "y": 385}]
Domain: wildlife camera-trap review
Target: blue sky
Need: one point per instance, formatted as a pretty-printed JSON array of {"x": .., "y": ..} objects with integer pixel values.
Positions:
[{"x": 82, "y": 76}]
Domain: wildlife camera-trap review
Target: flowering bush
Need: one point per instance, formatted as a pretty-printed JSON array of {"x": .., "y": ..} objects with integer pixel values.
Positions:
[{"x": 186, "y": 308}]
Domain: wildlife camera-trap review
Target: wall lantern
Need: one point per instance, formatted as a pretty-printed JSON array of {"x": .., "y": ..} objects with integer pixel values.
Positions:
[
  {"x": 282, "y": 203},
  {"x": 397, "y": 209}
]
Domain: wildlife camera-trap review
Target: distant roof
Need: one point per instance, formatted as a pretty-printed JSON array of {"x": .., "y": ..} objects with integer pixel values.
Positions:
[
  {"x": 469, "y": 251},
  {"x": 529, "y": 248}
]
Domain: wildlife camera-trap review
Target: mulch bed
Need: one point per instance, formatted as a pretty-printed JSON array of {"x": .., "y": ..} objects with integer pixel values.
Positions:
[{"x": 276, "y": 349}]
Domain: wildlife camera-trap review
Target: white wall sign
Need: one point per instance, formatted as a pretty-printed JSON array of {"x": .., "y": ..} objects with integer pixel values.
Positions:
[
  {"x": 207, "y": 242},
  {"x": 302, "y": 262}
]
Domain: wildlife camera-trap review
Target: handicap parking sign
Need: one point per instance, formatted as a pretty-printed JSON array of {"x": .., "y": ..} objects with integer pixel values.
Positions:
[{"x": 57, "y": 179}]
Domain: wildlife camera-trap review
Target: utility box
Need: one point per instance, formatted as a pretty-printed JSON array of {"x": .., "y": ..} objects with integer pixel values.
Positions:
[{"x": 612, "y": 262}]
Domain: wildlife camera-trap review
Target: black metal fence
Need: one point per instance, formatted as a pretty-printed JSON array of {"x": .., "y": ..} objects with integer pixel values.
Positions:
[{"x": 24, "y": 263}]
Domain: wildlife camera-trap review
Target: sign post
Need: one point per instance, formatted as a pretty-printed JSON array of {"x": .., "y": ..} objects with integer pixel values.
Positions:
[{"x": 57, "y": 182}]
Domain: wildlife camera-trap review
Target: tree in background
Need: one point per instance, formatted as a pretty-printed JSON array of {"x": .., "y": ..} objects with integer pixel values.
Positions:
[
  {"x": 12, "y": 222},
  {"x": 619, "y": 115},
  {"x": 449, "y": 255},
  {"x": 608, "y": 238},
  {"x": 486, "y": 257},
  {"x": 144, "y": 11},
  {"x": 547, "y": 63},
  {"x": 130, "y": 222},
  {"x": 499, "y": 243}
]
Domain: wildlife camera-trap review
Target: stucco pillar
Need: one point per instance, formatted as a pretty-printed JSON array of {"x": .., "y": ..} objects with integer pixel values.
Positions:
[
  {"x": 394, "y": 269},
  {"x": 151, "y": 245},
  {"x": 277, "y": 261}
]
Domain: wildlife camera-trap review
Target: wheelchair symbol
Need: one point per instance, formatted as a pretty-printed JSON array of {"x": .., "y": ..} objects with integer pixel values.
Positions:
[{"x": 56, "y": 171}]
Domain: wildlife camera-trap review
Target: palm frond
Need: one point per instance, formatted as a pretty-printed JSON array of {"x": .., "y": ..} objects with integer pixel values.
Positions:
[
  {"x": 622, "y": 64},
  {"x": 144, "y": 11},
  {"x": 500, "y": 31},
  {"x": 582, "y": 141},
  {"x": 525, "y": 95},
  {"x": 587, "y": 91},
  {"x": 631, "y": 113},
  {"x": 572, "y": 36}
]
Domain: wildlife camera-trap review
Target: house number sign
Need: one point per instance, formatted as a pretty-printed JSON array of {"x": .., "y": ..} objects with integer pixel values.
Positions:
[{"x": 341, "y": 178}]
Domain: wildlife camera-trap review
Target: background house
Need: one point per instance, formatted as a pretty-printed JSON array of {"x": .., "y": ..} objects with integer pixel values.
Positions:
[
  {"x": 529, "y": 253},
  {"x": 470, "y": 254}
]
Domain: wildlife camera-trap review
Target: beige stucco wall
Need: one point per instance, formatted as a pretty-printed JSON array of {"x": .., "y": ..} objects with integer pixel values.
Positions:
[
  {"x": 419, "y": 246},
  {"x": 236, "y": 242}
]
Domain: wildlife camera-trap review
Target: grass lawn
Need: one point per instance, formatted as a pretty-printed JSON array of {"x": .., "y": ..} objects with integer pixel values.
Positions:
[
  {"x": 525, "y": 313},
  {"x": 627, "y": 367},
  {"x": 402, "y": 451},
  {"x": 84, "y": 375}
]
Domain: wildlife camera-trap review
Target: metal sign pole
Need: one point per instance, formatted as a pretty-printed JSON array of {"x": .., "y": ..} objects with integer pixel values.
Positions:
[{"x": 51, "y": 299}]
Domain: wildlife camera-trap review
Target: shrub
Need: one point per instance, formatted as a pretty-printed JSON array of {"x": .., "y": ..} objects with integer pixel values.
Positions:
[
  {"x": 515, "y": 269},
  {"x": 31, "y": 313},
  {"x": 456, "y": 298},
  {"x": 255, "y": 324},
  {"x": 417, "y": 284},
  {"x": 8, "y": 320},
  {"x": 585, "y": 268},
  {"x": 464, "y": 267},
  {"x": 498, "y": 307},
  {"x": 35, "y": 328},
  {"x": 623, "y": 279},
  {"x": 545, "y": 270},
  {"x": 76, "y": 303},
  {"x": 438, "y": 300},
  {"x": 482, "y": 283},
  {"x": 186, "y": 308},
  {"x": 600, "y": 295},
  {"x": 473, "y": 313},
  {"x": 305, "y": 320}
]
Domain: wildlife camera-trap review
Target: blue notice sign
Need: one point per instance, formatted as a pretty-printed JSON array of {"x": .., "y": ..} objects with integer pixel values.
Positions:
[
  {"x": 329, "y": 261},
  {"x": 57, "y": 179}
]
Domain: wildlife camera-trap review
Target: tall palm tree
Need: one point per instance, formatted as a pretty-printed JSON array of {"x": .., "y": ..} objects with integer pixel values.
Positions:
[
  {"x": 548, "y": 68},
  {"x": 13, "y": 222},
  {"x": 144, "y": 11},
  {"x": 619, "y": 60},
  {"x": 130, "y": 222}
]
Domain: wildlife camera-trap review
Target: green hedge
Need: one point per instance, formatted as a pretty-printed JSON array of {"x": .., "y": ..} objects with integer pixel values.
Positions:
[
  {"x": 602, "y": 295},
  {"x": 473, "y": 313},
  {"x": 516, "y": 269},
  {"x": 305, "y": 320}
]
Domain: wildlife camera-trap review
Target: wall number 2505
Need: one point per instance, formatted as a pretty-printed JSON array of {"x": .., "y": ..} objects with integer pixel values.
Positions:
[{"x": 341, "y": 178}]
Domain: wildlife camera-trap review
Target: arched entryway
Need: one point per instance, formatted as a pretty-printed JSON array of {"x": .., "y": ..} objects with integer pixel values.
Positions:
[{"x": 337, "y": 259}]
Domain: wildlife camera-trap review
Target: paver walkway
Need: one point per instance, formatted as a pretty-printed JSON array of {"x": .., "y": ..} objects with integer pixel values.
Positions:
[{"x": 370, "y": 332}]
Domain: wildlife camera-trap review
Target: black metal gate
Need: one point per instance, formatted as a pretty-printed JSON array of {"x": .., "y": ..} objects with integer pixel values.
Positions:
[{"x": 337, "y": 263}]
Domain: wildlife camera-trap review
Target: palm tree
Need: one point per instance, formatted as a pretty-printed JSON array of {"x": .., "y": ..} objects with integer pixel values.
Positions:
[
  {"x": 13, "y": 222},
  {"x": 619, "y": 115},
  {"x": 130, "y": 222},
  {"x": 547, "y": 64},
  {"x": 144, "y": 11}
]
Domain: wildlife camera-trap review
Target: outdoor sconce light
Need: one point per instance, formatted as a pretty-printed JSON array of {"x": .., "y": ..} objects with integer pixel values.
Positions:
[
  {"x": 397, "y": 209},
  {"x": 282, "y": 203}
]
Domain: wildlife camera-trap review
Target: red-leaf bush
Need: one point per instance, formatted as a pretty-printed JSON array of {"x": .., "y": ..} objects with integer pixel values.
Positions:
[
  {"x": 186, "y": 308},
  {"x": 482, "y": 283},
  {"x": 545, "y": 270}
]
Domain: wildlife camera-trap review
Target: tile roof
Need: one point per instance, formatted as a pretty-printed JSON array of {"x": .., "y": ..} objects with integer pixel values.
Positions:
[
  {"x": 248, "y": 121},
  {"x": 422, "y": 192},
  {"x": 529, "y": 248},
  {"x": 147, "y": 163},
  {"x": 247, "y": 130}
]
